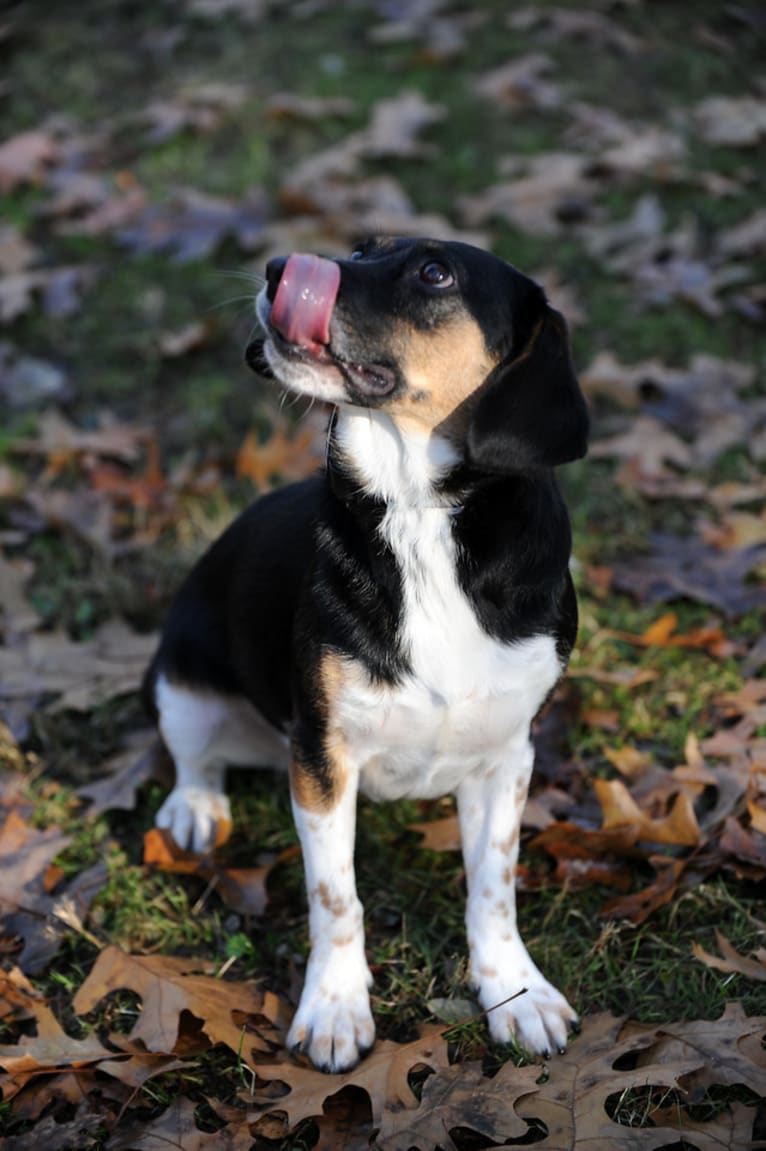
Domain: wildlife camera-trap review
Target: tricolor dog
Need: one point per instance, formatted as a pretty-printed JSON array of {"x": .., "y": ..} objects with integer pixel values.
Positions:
[{"x": 392, "y": 625}]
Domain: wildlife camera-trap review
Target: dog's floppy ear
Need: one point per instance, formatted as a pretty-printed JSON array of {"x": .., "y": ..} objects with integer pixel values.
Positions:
[{"x": 531, "y": 412}]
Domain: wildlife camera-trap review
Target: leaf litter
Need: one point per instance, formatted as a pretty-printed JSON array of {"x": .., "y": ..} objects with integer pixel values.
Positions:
[{"x": 666, "y": 429}]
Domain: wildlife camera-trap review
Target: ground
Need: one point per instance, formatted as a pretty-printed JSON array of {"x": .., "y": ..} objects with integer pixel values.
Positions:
[{"x": 152, "y": 158}]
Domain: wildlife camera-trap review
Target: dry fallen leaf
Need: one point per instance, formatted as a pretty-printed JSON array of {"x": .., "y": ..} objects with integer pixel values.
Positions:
[
  {"x": 748, "y": 238},
  {"x": 595, "y": 28},
  {"x": 603, "y": 718},
  {"x": 18, "y": 614},
  {"x": 439, "y": 834},
  {"x": 585, "y": 855},
  {"x": 748, "y": 700},
  {"x": 693, "y": 281},
  {"x": 704, "y": 386},
  {"x": 520, "y": 83},
  {"x": 644, "y": 150},
  {"x": 545, "y": 192},
  {"x": 17, "y": 293},
  {"x": 629, "y": 761},
  {"x": 176, "y": 1128},
  {"x": 627, "y": 677},
  {"x": 109, "y": 208},
  {"x": 619, "y": 809},
  {"x": 202, "y": 109},
  {"x": 572, "y": 1106},
  {"x": 249, "y": 11},
  {"x": 461, "y": 1097},
  {"x": 242, "y": 889},
  {"x": 187, "y": 339},
  {"x": 731, "y": 961},
  {"x": 145, "y": 759},
  {"x": 16, "y": 253},
  {"x": 736, "y": 530},
  {"x": 731, "y": 121},
  {"x": 685, "y": 567},
  {"x": 88, "y": 515},
  {"x": 25, "y": 158},
  {"x": 637, "y": 906},
  {"x": 746, "y": 848},
  {"x": 326, "y": 183},
  {"x": 34, "y": 906},
  {"x": 571, "y": 1102},
  {"x": 61, "y": 441},
  {"x": 383, "y": 1075},
  {"x": 757, "y": 811},
  {"x": 662, "y": 633},
  {"x": 396, "y": 125},
  {"x": 79, "y": 675},
  {"x": 194, "y": 224},
  {"x": 50, "y": 1047},
  {"x": 227, "y": 1012},
  {"x": 439, "y": 35},
  {"x": 294, "y": 106},
  {"x": 286, "y": 456},
  {"x": 647, "y": 442},
  {"x": 639, "y": 237}
]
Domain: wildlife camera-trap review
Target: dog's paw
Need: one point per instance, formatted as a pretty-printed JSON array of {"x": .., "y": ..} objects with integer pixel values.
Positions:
[
  {"x": 539, "y": 1020},
  {"x": 333, "y": 1026},
  {"x": 197, "y": 818}
]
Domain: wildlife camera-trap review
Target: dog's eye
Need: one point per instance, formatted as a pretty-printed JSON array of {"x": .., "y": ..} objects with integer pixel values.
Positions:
[{"x": 436, "y": 275}]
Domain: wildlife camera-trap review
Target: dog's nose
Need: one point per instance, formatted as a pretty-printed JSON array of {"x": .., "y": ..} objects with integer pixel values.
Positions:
[{"x": 274, "y": 270}]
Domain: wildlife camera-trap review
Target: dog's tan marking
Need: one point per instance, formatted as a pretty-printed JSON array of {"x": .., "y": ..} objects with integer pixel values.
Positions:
[
  {"x": 335, "y": 905},
  {"x": 443, "y": 368},
  {"x": 307, "y": 789},
  {"x": 506, "y": 846},
  {"x": 310, "y": 791},
  {"x": 343, "y": 940}
]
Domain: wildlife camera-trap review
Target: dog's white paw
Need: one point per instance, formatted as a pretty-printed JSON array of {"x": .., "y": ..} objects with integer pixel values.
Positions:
[
  {"x": 539, "y": 1020},
  {"x": 333, "y": 1024},
  {"x": 195, "y": 817},
  {"x": 334, "y": 1035}
]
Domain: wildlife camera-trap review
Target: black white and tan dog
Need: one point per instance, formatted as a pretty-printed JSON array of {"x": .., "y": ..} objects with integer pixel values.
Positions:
[{"x": 393, "y": 624}]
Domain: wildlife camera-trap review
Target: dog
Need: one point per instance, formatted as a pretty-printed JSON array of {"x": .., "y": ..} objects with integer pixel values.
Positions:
[{"x": 393, "y": 624}]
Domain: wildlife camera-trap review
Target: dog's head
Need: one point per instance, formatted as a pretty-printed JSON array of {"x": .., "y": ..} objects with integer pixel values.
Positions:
[{"x": 443, "y": 336}]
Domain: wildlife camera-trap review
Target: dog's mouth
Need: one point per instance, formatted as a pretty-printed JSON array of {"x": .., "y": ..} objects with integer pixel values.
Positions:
[{"x": 296, "y": 318}]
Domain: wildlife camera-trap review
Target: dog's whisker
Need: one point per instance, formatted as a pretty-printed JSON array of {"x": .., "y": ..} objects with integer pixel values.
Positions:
[
  {"x": 232, "y": 300},
  {"x": 254, "y": 278}
]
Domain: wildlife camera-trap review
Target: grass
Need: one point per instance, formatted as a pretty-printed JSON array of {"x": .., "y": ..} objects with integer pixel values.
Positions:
[{"x": 202, "y": 405}]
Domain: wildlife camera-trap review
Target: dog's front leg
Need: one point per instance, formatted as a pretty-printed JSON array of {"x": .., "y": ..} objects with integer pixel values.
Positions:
[
  {"x": 333, "y": 1024},
  {"x": 490, "y": 806}
]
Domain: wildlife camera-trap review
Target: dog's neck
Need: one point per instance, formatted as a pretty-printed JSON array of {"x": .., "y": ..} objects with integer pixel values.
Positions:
[{"x": 369, "y": 455}]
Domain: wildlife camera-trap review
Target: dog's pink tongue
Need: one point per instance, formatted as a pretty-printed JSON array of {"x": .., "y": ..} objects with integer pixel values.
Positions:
[{"x": 304, "y": 301}]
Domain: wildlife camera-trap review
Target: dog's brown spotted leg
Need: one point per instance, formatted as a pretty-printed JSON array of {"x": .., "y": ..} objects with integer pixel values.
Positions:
[
  {"x": 333, "y": 1024},
  {"x": 490, "y": 806}
]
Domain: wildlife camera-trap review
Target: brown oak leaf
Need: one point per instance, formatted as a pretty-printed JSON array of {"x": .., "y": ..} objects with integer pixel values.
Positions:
[{"x": 170, "y": 988}]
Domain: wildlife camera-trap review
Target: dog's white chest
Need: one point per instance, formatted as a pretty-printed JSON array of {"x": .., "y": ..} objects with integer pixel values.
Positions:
[{"x": 468, "y": 698}]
